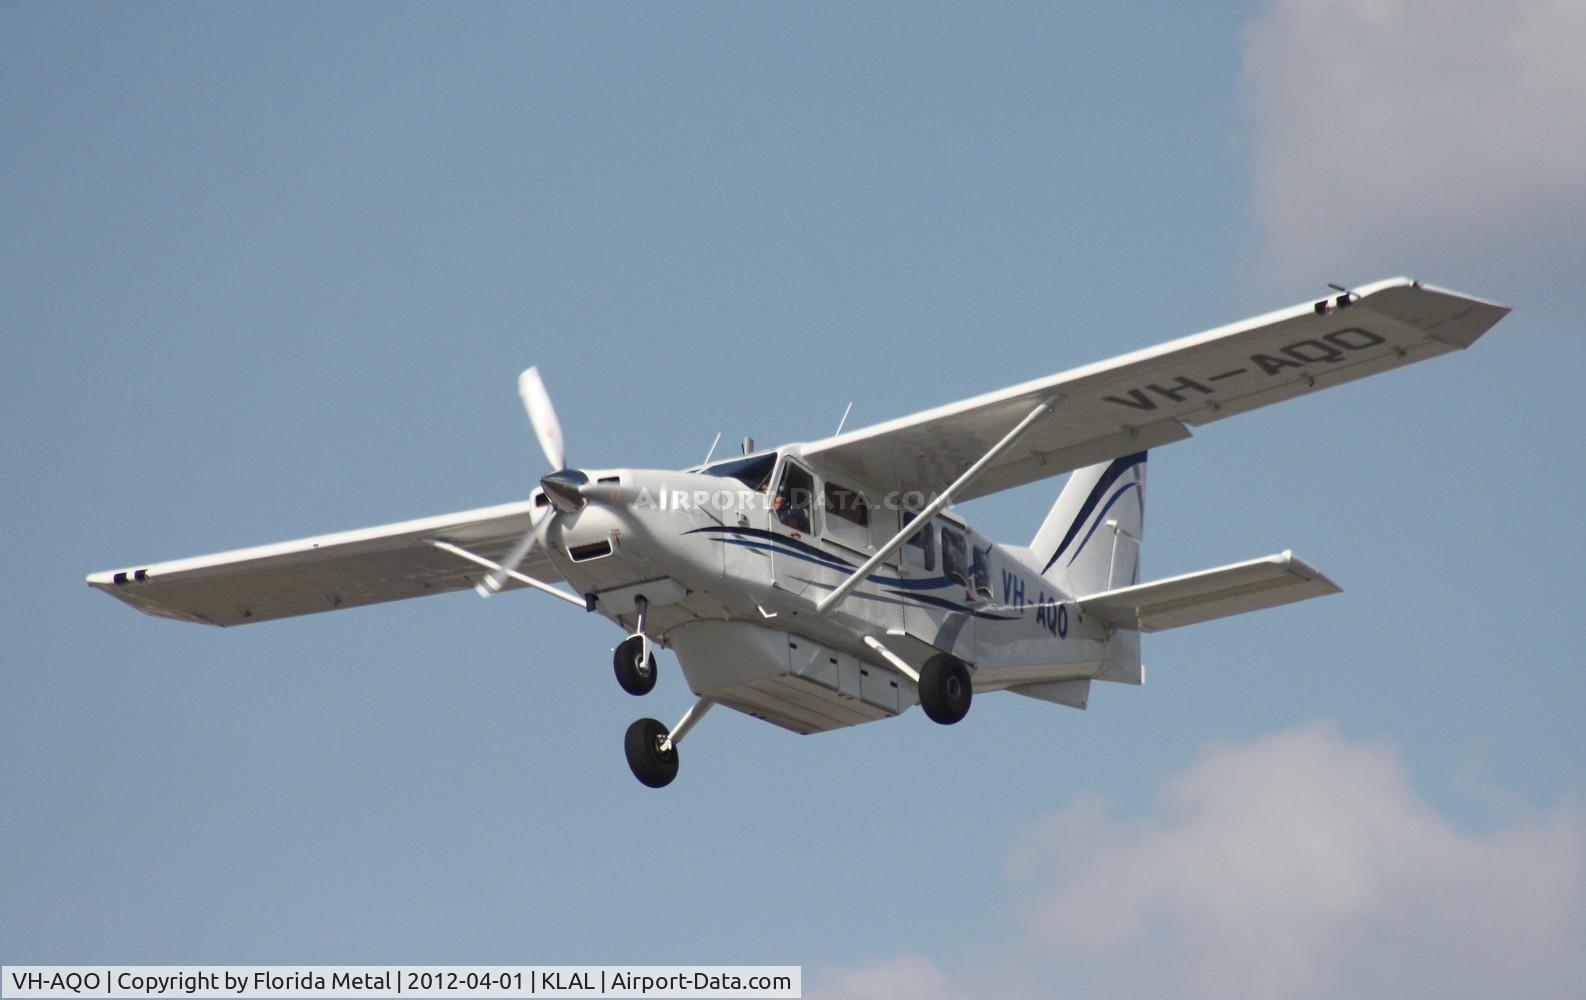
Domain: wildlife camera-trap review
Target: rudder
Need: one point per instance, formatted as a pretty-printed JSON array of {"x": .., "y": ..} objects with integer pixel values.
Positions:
[{"x": 1078, "y": 551}]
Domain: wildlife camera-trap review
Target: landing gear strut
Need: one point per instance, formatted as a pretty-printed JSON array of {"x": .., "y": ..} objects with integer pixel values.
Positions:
[
  {"x": 652, "y": 748},
  {"x": 945, "y": 691},
  {"x": 633, "y": 661}
]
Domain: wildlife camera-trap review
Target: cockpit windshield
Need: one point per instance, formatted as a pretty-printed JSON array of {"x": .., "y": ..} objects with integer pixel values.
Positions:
[{"x": 754, "y": 471}]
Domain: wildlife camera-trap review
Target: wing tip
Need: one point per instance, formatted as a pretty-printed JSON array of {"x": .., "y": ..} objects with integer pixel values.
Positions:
[
  {"x": 1416, "y": 284},
  {"x": 1298, "y": 566},
  {"x": 1453, "y": 318}
]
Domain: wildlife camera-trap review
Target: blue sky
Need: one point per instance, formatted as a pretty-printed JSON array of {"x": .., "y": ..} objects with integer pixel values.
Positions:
[{"x": 272, "y": 271}]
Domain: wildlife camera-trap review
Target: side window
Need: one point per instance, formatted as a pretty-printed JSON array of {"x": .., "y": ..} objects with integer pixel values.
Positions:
[
  {"x": 847, "y": 504},
  {"x": 922, "y": 547},
  {"x": 847, "y": 515},
  {"x": 955, "y": 561},
  {"x": 794, "y": 493},
  {"x": 982, "y": 560}
]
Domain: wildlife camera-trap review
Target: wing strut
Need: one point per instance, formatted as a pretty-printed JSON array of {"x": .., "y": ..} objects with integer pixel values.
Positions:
[
  {"x": 898, "y": 663},
  {"x": 512, "y": 574},
  {"x": 934, "y": 507}
]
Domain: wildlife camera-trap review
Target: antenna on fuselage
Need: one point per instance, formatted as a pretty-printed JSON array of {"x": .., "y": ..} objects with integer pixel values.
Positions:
[
  {"x": 712, "y": 451},
  {"x": 748, "y": 445},
  {"x": 846, "y": 410}
]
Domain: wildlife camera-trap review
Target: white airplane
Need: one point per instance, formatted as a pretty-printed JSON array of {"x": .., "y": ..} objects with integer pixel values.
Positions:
[{"x": 826, "y": 584}]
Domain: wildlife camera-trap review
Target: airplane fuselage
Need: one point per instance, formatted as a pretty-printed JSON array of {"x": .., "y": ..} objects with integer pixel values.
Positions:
[{"x": 730, "y": 582}]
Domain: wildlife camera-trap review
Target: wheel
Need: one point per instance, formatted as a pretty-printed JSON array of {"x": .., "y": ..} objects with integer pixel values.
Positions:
[
  {"x": 650, "y": 764},
  {"x": 945, "y": 691},
  {"x": 635, "y": 671}
]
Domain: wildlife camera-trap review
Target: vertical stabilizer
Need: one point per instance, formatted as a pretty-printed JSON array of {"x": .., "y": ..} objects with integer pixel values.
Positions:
[{"x": 1090, "y": 542}]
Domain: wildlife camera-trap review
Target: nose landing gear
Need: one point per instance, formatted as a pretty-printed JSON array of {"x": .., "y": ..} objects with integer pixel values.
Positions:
[
  {"x": 634, "y": 665},
  {"x": 633, "y": 662}
]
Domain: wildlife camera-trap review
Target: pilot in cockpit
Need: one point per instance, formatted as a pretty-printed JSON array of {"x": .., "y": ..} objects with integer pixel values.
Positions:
[{"x": 795, "y": 516}]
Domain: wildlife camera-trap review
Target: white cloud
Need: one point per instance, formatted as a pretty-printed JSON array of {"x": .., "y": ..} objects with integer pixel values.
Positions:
[
  {"x": 1299, "y": 865},
  {"x": 1405, "y": 134}
]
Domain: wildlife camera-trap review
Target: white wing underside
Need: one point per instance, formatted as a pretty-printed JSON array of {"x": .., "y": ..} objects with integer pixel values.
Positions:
[
  {"x": 327, "y": 572},
  {"x": 1152, "y": 397}
]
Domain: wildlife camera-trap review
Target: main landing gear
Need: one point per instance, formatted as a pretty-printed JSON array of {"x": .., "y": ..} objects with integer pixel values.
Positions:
[
  {"x": 652, "y": 756},
  {"x": 945, "y": 690},
  {"x": 652, "y": 748}
]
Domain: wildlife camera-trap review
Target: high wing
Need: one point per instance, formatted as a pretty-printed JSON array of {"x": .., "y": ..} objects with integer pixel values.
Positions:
[
  {"x": 343, "y": 570},
  {"x": 1152, "y": 397}
]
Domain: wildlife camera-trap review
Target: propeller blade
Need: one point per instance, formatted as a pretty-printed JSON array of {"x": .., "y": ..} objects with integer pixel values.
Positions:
[
  {"x": 497, "y": 579},
  {"x": 542, "y": 415}
]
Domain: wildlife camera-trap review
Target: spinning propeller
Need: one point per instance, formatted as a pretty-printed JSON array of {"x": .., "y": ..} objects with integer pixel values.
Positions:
[{"x": 548, "y": 429}]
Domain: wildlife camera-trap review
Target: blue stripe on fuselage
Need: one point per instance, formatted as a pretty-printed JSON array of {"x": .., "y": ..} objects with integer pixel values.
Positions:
[{"x": 804, "y": 552}]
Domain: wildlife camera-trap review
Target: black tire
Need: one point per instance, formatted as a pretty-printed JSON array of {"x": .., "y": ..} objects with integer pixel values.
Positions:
[
  {"x": 648, "y": 762},
  {"x": 635, "y": 676},
  {"x": 945, "y": 690}
]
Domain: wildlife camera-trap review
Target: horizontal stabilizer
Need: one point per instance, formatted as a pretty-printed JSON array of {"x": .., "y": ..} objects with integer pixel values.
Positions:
[{"x": 1210, "y": 594}]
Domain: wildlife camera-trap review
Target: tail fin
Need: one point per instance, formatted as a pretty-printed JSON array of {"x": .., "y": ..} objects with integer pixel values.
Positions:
[{"x": 1090, "y": 542}]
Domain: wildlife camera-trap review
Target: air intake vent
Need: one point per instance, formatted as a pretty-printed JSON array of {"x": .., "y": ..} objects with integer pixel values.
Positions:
[{"x": 594, "y": 550}]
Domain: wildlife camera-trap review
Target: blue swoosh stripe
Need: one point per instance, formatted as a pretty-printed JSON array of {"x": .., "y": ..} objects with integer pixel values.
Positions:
[
  {"x": 790, "y": 553},
  {"x": 833, "y": 563},
  {"x": 1118, "y": 467},
  {"x": 950, "y": 606},
  {"x": 775, "y": 538},
  {"x": 792, "y": 548},
  {"x": 1125, "y": 488}
]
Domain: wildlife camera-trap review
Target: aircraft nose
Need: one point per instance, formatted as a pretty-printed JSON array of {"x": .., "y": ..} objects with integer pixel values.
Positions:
[{"x": 564, "y": 487}]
